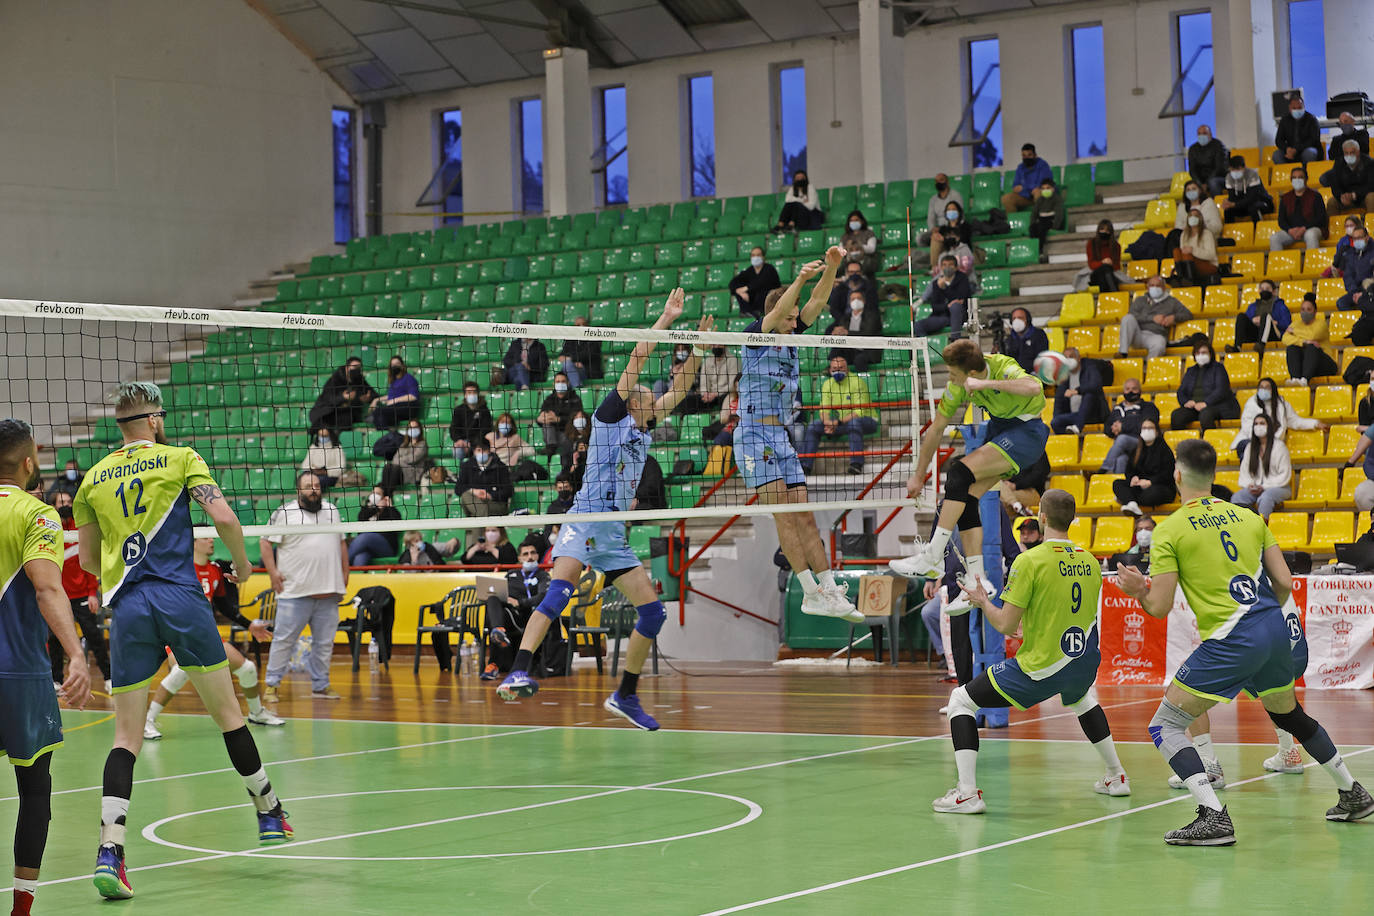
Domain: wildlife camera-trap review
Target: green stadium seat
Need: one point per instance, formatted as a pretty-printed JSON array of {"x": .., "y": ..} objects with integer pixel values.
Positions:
[
  {"x": 525, "y": 244},
  {"x": 779, "y": 246},
  {"x": 696, "y": 252},
  {"x": 637, "y": 283},
  {"x": 614, "y": 284},
  {"x": 649, "y": 233},
  {"x": 584, "y": 287},
  {"x": 717, "y": 304},
  {"x": 445, "y": 276},
  {"x": 508, "y": 294},
  {"x": 668, "y": 254},
  {"x": 531, "y": 292},
  {"x": 1112, "y": 172},
  {"x": 540, "y": 267},
  {"x": 718, "y": 275},
  {"x": 725, "y": 250},
  {"x": 692, "y": 279},
  {"x": 558, "y": 290},
  {"x": 491, "y": 272},
  {"x": 564, "y": 264},
  {"x": 625, "y": 235},
  {"x": 1021, "y": 252},
  {"x": 994, "y": 283},
  {"x": 737, "y": 206},
  {"x": 661, "y": 280},
  {"x": 593, "y": 261}
]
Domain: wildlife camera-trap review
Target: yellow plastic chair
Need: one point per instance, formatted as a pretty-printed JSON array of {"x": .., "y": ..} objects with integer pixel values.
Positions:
[
  {"x": 1283, "y": 264},
  {"x": 1317, "y": 487},
  {"x": 1340, "y": 442},
  {"x": 1340, "y": 323},
  {"x": 1111, "y": 306},
  {"x": 1350, "y": 479},
  {"x": 1073, "y": 484},
  {"x": 1100, "y": 496},
  {"x": 1243, "y": 368},
  {"x": 1112, "y": 534},
  {"x": 1289, "y": 529},
  {"x": 1095, "y": 448},
  {"x": 1075, "y": 309},
  {"x": 1332, "y": 404},
  {"x": 1329, "y": 529},
  {"x": 1162, "y": 374},
  {"x": 1081, "y": 531},
  {"x": 1305, "y": 445},
  {"x": 1062, "y": 451}
]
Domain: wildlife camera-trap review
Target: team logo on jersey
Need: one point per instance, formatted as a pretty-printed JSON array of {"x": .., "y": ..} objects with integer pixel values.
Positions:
[
  {"x": 1244, "y": 590},
  {"x": 591, "y": 543},
  {"x": 134, "y": 549},
  {"x": 1074, "y": 642},
  {"x": 768, "y": 454},
  {"x": 43, "y": 521}
]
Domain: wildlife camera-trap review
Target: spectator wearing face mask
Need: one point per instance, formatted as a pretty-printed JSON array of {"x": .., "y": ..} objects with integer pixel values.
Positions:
[
  {"x": 801, "y": 208},
  {"x": 557, "y": 409},
  {"x": 402, "y": 399},
  {"x": 954, "y": 235},
  {"x": 581, "y": 359},
  {"x": 1343, "y": 248},
  {"x": 936, "y": 209},
  {"x": 1024, "y": 342},
  {"x": 861, "y": 320},
  {"x": 751, "y": 286},
  {"x": 1299, "y": 136},
  {"x": 68, "y": 481},
  {"x": 1358, "y": 277},
  {"x": 1123, "y": 426},
  {"x": 325, "y": 457},
  {"x": 484, "y": 485},
  {"x": 368, "y": 546},
  {"x": 492, "y": 549},
  {"x": 1266, "y": 473},
  {"x": 947, "y": 295},
  {"x": 1302, "y": 216},
  {"x": 1047, "y": 213},
  {"x": 1307, "y": 344},
  {"x": 1149, "y": 473},
  {"x": 1268, "y": 402},
  {"x": 471, "y": 421},
  {"x": 718, "y": 371},
  {"x": 1028, "y": 533},
  {"x": 563, "y": 500},
  {"x": 416, "y": 551},
  {"x": 1079, "y": 400},
  {"x": 860, "y": 243},
  {"x": 526, "y": 362},
  {"x": 525, "y": 589},
  {"x": 1030, "y": 174},
  {"x": 344, "y": 400},
  {"x": 1139, "y": 553},
  {"x": 1150, "y": 319},
  {"x": 408, "y": 466},
  {"x": 1266, "y": 320},
  {"x": 1207, "y": 162},
  {"x": 1194, "y": 199},
  {"x": 1195, "y": 258},
  {"x": 851, "y": 280},
  {"x": 1352, "y": 179},
  {"x": 1346, "y": 129},
  {"x": 1205, "y": 394},
  {"x": 1246, "y": 197},
  {"x": 1104, "y": 262},
  {"x": 845, "y": 411},
  {"x": 506, "y": 442},
  {"x": 576, "y": 433}
]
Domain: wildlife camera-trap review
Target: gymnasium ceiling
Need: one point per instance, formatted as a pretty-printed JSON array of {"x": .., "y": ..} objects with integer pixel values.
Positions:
[{"x": 379, "y": 49}]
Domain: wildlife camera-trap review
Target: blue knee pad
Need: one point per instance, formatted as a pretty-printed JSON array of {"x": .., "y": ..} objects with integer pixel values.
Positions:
[
  {"x": 652, "y": 616},
  {"x": 555, "y": 599}
]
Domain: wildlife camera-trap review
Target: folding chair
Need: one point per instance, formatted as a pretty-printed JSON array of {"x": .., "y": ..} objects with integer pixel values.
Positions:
[{"x": 264, "y": 606}]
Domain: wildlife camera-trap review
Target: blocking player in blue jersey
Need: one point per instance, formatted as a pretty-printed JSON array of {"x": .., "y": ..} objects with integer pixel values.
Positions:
[
  {"x": 1236, "y": 581},
  {"x": 133, "y": 517},
  {"x": 31, "y": 600},
  {"x": 765, "y": 456},
  {"x": 618, "y": 446}
]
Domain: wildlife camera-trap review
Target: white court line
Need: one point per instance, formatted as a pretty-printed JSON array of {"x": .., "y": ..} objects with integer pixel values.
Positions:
[{"x": 989, "y": 848}]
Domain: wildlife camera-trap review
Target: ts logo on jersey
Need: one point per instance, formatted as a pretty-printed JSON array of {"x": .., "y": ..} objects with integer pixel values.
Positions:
[
  {"x": 1244, "y": 590},
  {"x": 134, "y": 549}
]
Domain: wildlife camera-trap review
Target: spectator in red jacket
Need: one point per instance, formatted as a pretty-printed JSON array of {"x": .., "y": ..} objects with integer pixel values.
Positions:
[{"x": 83, "y": 591}]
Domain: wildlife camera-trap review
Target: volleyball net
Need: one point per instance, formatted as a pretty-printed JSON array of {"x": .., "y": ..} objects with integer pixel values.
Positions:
[{"x": 265, "y": 394}]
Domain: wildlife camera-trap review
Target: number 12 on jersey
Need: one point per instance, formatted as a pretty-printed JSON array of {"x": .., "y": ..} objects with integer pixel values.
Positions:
[{"x": 138, "y": 497}]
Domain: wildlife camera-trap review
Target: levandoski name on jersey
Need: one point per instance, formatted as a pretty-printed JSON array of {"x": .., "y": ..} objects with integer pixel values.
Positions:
[{"x": 142, "y": 466}]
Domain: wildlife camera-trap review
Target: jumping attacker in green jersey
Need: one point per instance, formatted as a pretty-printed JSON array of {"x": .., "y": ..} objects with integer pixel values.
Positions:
[
  {"x": 1052, "y": 592},
  {"x": 133, "y": 516},
  {"x": 1236, "y": 581}
]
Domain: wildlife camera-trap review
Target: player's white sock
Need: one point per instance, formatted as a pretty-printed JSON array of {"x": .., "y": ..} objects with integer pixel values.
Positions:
[
  {"x": 1106, "y": 749},
  {"x": 1203, "y": 743},
  {"x": 255, "y": 705},
  {"x": 940, "y": 540},
  {"x": 154, "y": 710},
  {"x": 1285, "y": 741},
  {"x": 808, "y": 582},
  {"x": 966, "y": 761},
  {"x": 974, "y": 565},
  {"x": 827, "y": 579},
  {"x": 1202, "y": 790},
  {"x": 113, "y": 811},
  {"x": 27, "y": 885},
  {"x": 1336, "y": 767}
]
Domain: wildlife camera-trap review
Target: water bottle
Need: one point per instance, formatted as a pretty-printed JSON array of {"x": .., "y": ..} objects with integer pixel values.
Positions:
[
  {"x": 469, "y": 656},
  {"x": 373, "y": 657}
]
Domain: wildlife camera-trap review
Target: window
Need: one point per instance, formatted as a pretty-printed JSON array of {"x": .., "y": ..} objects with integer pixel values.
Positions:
[
  {"x": 1195, "y": 66},
  {"x": 1089, "y": 91},
  {"x": 701, "y": 135},
  {"x": 451, "y": 165},
  {"x": 530, "y": 136},
  {"x": 985, "y": 95},
  {"x": 344, "y": 225},
  {"x": 791, "y": 121},
  {"x": 615, "y": 180},
  {"x": 1307, "y": 52}
]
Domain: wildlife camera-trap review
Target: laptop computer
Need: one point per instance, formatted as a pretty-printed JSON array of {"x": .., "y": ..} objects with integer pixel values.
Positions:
[
  {"x": 1359, "y": 555},
  {"x": 492, "y": 587}
]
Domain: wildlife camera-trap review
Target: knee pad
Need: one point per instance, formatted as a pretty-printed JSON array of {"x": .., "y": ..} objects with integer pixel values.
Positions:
[
  {"x": 957, "y": 481},
  {"x": 1168, "y": 727},
  {"x": 247, "y": 674},
  {"x": 555, "y": 599},
  {"x": 960, "y": 704},
  {"x": 1297, "y": 723},
  {"x": 1086, "y": 704},
  {"x": 652, "y": 616},
  {"x": 175, "y": 679},
  {"x": 971, "y": 518}
]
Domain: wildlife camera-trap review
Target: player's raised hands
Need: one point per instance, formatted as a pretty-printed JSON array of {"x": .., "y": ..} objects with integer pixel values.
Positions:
[
  {"x": 810, "y": 270},
  {"x": 833, "y": 256},
  {"x": 707, "y": 323},
  {"x": 672, "y": 308}
]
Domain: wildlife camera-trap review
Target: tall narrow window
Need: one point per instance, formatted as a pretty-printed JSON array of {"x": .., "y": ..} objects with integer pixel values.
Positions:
[
  {"x": 701, "y": 134},
  {"x": 1089, "y": 92},
  {"x": 791, "y": 122},
  {"x": 615, "y": 154},
  {"x": 530, "y": 130},
  {"x": 451, "y": 165},
  {"x": 1195, "y": 66},
  {"x": 985, "y": 95},
  {"x": 1307, "y": 52},
  {"x": 344, "y": 226}
]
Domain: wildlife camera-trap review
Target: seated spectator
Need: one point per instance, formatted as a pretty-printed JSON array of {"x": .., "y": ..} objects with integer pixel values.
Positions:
[
  {"x": 578, "y": 467},
  {"x": 492, "y": 549},
  {"x": 1345, "y": 130},
  {"x": 862, "y": 320},
  {"x": 651, "y": 494},
  {"x": 722, "y": 432},
  {"x": 506, "y": 442},
  {"x": 409, "y": 465},
  {"x": 1299, "y": 136},
  {"x": 1358, "y": 277},
  {"x": 1343, "y": 248},
  {"x": 947, "y": 295},
  {"x": 325, "y": 458},
  {"x": 692, "y": 402},
  {"x": 954, "y": 235},
  {"x": 1266, "y": 474},
  {"x": 1205, "y": 394},
  {"x": 1104, "y": 262},
  {"x": 1269, "y": 403},
  {"x": 751, "y": 286},
  {"x": 1195, "y": 258},
  {"x": 1246, "y": 197},
  {"x": 1123, "y": 426},
  {"x": 1364, "y": 406},
  {"x": 801, "y": 208},
  {"x": 483, "y": 485},
  {"x": 526, "y": 362},
  {"x": 344, "y": 400},
  {"x": 1079, "y": 401},
  {"x": 1265, "y": 321},
  {"x": 562, "y": 502},
  {"x": 581, "y": 359},
  {"x": 850, "y": 280},
  {"x": 1302, "y": 216},
  {"x": 1193, "y": 198},
  {"x": 1024, "y": 342},
  {"x": 1364, "y": 492},
  {"x": 846, "y": 410},
  {"x": 1029, "y": 534},
  {"x": 506, "y": 620},
  {"x": 1207, "y": 163},
  {"x": 718, "y": 371},
  {"x": 860, "y": 243},
  {"x": 1308, "y": 344},
  {"x": 1030, "y": 174},
  {"x": 577, "y": 432},
  {"x": 471, "y": 421},
  {"x": 1047, "y": 213},
  {"x": 368, "y": 546},
  {"x": 401, "y": 402},
  {"x": 69, "y": 481},
  {"x": 416, "y": 551},
  {"x": 1149, "y": 473},
  {"x": 558, "y": 408},
  {"x": 936, "y": 213},
  {"x": 1021, "y": 493},
  {"x": 1139, "y": 553},
  {"x": 1148, "y": 322},
  {"x": 1352, "y": 180}
]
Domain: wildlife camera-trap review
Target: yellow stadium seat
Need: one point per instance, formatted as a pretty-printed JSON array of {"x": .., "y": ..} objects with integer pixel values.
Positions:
[
  {"x": 1241, "y": 232},
  {"x": 1335, "y": 224},
  {"x": 1162, "y": 373},
  {"x": 1329, "y": 289},
  {"x": 1085, "y": 339},
  {"x": 1248, "y": 264},
  {"x": 1127, "y": 367},
  {"x": 1283, "y": 264},
  {"x": 1341, "y": 441},
  {"x": 1112, "y": 535},
  {"x": 1315, "y": 170},
  {"x": 1081, "y": 531},
  {"x": 1111, "y": 339},
  {"x": 1229, "y": 479},
  {"x": 1289, "y": 529},
  {"x": 1111, "y": 306},
  {"x": 1264, "y": 231},
  {"x": 1062, "y": 451},
  {"x": 1248, "y": 294},
  {"x": 1243, "y": 368},
  {"x": 1340, "y": 323},
  {"x": 1176, "y": 185},
  {"x": 1332, "y": 403},
  {"x": 1100, "y": 496},
  {"x": 1159, "y": 213},
  {"x": 1350, "y": 353},
  {"x": 1047, "y": 412},
  {"x": 1330, "y": 529},
  {"x": 1305, "y": 445},
  {"x": 1220, "y": 301},
  {"x": 1316, "y": 488},
  {"x": 1281, "y": 179},
  {"x": 1174, "y": 436},
  {"x": 1075, "y": 309},
  {"x": 1166, "y": 267},
  {"x": 1293, "y": 290},
  {"x": 1186, "y": 329},
  {"x": 1127, "y": 238},
  {"x": 1316, "y": 260},
  {"x": 1223, "y": 334},
  {"x": 1300, "y": 398},
  {"x": 1250, "y": 154},
  {"x": 1221, "y": 441},
  {"x": 1056, "y": 338},
  {"x": 1350, "y": 479},
  {"x": 1073, "y": 484},
  {"x": 1095, "y": 448},
  {"x": 1142, "y": 270},
  {"x": 1274, "y": 366},
  {"x": 1190, "y": 296},
  {"x": 1166, "y": 402}
]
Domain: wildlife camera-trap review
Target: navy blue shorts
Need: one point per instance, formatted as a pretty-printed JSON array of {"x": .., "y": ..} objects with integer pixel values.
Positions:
[
  {"x": 765, "y": 454},
  {"x": 1020, "y": 441},
  {"x": 1070, "y": 683},
  {"x": 1257, "y": 656},
  {"x": 30, "y": 721},
  {"x": 151, "y": 616}
]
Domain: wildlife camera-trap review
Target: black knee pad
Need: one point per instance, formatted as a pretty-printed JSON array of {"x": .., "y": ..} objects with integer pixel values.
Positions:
[
  {"x": 970, "y": 518},
  {"x": 1297, "y": 723},
  {"x": 957, "y": 482}
]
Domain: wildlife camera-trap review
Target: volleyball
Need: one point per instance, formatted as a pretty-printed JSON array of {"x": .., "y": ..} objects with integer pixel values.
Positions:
[{"x": 1052, "y": 367}]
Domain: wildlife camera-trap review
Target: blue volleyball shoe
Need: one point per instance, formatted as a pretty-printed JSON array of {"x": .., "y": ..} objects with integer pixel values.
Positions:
[
  {"x": 273, "y": 830},
  {"x": 516, "y": 685},
  {"x": 109, "y": 877},
  {"x": 629, "y": 708}
]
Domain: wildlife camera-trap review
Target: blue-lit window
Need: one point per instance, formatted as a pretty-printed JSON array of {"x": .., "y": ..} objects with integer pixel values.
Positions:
[
  {"x": 1195, "y": 38},
  {"x": 985, "y": 91},
  {"x": 1089, "y": 92},
  {"x": 701, "y": 133},
  {"x": 530, "y": 132},
  {"x": 791, "y": 88},
  {"x": 451, "y": 157},
  {"x": 1307, "y": 52},
  {"x": 616, "y": 178},
  {"x": 345, "y": 226}
]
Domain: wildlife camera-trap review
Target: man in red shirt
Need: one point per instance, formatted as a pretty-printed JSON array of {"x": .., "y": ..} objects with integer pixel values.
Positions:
[{"x": 83, "y": 590}]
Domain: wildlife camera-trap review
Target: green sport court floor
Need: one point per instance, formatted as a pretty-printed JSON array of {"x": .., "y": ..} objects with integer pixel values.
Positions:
[{"x": 416, "y": 818}]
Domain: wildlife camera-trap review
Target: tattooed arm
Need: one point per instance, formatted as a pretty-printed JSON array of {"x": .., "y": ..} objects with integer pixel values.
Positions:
[{"x": 212, "y": 500}]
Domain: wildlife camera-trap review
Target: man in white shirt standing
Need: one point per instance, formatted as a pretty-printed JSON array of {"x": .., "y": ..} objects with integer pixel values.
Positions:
[{"x": 309, "y": 573}]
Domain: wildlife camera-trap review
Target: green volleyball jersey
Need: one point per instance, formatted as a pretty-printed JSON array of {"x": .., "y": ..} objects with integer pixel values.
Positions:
[
  {"x": 1217, "y": 549},
  {"x": 138, "y": 496},
  {"x": 996, "y": 403},
  {"x": 29, "y": 530},
  {"x": 1057, "y": 584}
]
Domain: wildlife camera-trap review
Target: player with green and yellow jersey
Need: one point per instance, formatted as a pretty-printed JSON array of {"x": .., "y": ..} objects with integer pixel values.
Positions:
[{"x": 1052, "y": 594}]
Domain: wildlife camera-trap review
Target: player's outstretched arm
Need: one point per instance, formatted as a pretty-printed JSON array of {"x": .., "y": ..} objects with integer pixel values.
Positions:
[
  {"x": 686, "y": 376},
  {"x": 1005, "y": 618},
  {"x": 789, "y": 298},
  {"x": 820, "y": 293},
  {"x": 227, "y": 524},
  {"x": 1280, "y": 577},
  {"x": 1155, "y": 594},
  {"x": 672, "y": 311},
  {"x": 46, "y": 577},
  {"x": 1023, "y": 386},
  {"x": 930, "y": 441}
]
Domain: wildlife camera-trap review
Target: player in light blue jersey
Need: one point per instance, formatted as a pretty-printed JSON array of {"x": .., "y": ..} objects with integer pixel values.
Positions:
[
  {"x": 616, "y": 451},
  {"x": 767, "y": 460}
]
